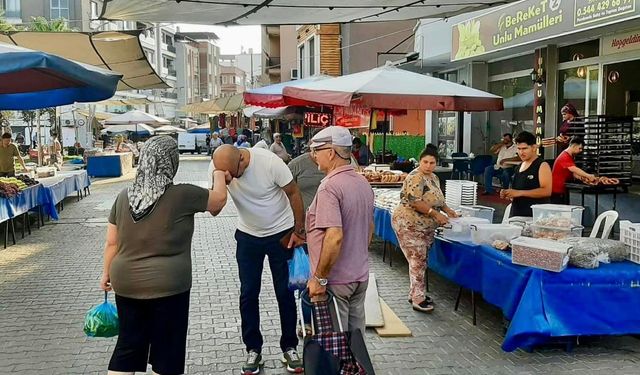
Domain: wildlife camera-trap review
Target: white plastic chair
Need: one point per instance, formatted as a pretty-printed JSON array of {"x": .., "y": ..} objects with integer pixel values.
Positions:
[
  {"x": 507, "y": 212},
  {"x": 609, "y": 218}
]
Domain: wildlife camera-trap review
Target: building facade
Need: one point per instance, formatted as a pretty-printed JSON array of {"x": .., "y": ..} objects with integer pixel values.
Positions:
[
  {"x": 247, "y": 61},
  {"x": 233, "y": 80},
  {"x": 318, "y": 50},
  {"x": 279, "y": 54},
  {"x": 583, "y": 53}
]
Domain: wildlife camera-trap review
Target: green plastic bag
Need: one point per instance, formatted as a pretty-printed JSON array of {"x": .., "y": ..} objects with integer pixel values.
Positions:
[{"x": 102, "y": 320}]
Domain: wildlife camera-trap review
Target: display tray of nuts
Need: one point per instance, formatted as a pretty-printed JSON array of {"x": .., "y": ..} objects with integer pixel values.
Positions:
[
  {"x": 539, "y": 253},
  {"x": 555, "y": 232}
]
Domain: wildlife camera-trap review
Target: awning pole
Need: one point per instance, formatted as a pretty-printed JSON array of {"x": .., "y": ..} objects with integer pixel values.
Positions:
[
  {"x": 384, "y": 137},
  {"x": 40, "y": 150}
]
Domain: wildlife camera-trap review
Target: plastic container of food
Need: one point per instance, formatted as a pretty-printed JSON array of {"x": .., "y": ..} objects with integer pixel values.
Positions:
[
  {"x": 459, "y": 229},
  {"x": 557, "y": 215},
  {"x": 524, "y": 222},
  {"x": 539, "y": 253},
  {"x": 483, "y": 212},
  {"x": 555, "y": 233},
  {"x": 486, "y": 234}
]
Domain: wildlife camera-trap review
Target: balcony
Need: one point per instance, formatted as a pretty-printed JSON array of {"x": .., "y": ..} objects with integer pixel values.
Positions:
[
  {"x": 273, "y": 30},
  {"x": 169, "y": 95},
  {"x": 273, "y": 65},
  {"x": 171, "y": 48},
  {"x": 171, "y": 72}
]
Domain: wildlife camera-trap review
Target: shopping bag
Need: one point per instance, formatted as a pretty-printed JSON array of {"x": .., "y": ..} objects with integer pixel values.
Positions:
[
  {"x": 299, "y": 269},
  {"x": 327, "y": 352},
  {"x": 102, "y": 320}
]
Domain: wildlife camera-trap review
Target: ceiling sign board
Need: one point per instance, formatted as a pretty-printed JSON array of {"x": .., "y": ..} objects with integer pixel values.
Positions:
[
  {"x": 286, "y": 12},
  {"x": 531, "y": 21}
]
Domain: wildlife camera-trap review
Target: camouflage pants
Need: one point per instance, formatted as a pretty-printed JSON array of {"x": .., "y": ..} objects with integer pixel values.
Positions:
[{"x": 415, "y": 243}]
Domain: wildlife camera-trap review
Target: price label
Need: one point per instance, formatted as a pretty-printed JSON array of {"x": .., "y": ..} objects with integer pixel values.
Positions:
[{"x": 589, "y": 11}]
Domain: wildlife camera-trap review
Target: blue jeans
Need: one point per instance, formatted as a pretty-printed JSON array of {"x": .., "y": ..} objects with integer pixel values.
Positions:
[
  {"x": 504, "y": 174},
  {"x": 250, "y": 255}
]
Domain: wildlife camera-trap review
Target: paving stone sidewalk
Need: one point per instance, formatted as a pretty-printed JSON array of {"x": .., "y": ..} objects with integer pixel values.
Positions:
[{"x": 50, "y": 279}]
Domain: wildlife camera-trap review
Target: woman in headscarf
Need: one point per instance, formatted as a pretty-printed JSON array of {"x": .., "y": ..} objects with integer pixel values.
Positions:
[
  {"x": 147, "y": 260},
  {"x": 569, "y": 114}
]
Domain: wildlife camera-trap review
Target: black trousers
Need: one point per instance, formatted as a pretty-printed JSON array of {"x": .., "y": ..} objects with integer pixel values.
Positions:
[
  {"x": 250, "y": 255},
  {"x": 152, "y": 331}
]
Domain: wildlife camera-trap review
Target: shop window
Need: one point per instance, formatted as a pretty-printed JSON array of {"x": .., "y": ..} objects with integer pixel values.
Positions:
[
  {"x": 59, "y": 9},
  {"x": 579, "y": 51},
  {"x": 518, "y": 108},
  {"x": 447, "y": 131},
  {"x": 623, "y": 96},
  {"x": 511, "y": 65}
]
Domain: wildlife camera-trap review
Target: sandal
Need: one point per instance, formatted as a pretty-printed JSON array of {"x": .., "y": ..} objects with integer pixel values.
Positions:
[{"x": 425, "y": 307}]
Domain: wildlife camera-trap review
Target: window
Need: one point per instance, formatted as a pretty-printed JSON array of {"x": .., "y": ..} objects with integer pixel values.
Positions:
[
  {"x": 167, "y": 39},
  {"x": 59, "y": 9},
  {"x": 301, "y": 61},
  {"x": 312, "y": 56},
  {"x": 518, "y": 107},
  {"x": 149, "y": 54},
  {"x": 94, "y": 10},
  {"x": 511, "y": 65},
  {"x": 167, "y": 62},
  {"x": 579, "y": 51},
  {"x": 11, "y": 8}
]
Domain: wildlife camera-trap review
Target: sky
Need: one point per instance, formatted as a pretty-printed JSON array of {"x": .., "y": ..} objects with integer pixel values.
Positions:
[{"x": 232, "y": 38}]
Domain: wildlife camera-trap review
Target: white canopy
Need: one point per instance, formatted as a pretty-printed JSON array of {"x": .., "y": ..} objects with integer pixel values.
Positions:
[
  {"x": 134, "y": 128},
  {"x": 286, "y": 12},
  {"x": 169, "y": 129},
  {"x": 136, "y": 117}
]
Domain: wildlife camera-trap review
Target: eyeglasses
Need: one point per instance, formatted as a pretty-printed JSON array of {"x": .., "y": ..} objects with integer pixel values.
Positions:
[{"x": 314, "y": 151}]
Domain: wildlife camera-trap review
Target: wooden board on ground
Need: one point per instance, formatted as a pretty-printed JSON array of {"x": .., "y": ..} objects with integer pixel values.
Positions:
[
  {"x": 372, "y": 309},
  {"x": 393, "y": 326}
]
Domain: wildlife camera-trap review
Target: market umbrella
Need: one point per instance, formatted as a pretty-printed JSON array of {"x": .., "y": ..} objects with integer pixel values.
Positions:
[
  {"x": 200, "y": 129},
  {"x": 390, "y": 88},
  {"x": 140, "y": 129},
  {"x": 33, "y": 79},
  {"x": 271, "y": 96},
  {"x": 169, "y": 129},
  {"x": 227, "y": 104},
  {"x": 136, "y": 117}
]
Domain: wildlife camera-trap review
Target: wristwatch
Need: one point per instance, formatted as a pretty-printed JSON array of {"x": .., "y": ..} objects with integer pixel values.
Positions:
[
  {"x": 302, "y": 233},
  {"x": 322, "y": 282}
]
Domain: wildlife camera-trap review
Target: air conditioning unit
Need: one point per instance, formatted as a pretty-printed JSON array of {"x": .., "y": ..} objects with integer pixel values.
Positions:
[
  {"x": 294, "y": 74},
  {"x": 68, "y": 123}
]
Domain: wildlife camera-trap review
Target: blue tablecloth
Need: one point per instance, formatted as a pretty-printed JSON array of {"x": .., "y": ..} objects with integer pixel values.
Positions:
[
  {"x": 64, "y": 184},
  {"x": 382, "y": 224},
  {"x": 542, "y": 304},
  {"x": 27, "y": 200},
  {"x": 114, "y": 165}
]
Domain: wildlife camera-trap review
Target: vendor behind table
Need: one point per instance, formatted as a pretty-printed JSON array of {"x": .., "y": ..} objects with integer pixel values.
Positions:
[
  {"x": 564, "y": 169},
  {"x": 531, "y": 181},
  {"x": 9, "y": 151}
]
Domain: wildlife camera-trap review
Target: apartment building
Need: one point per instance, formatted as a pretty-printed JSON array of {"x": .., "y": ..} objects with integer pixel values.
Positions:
[
  {"x": 247, "y": 61},
  {"x": 209, "y": 61},
  {"x": 279, "y": 56},
  {"x": 233, "y": 80},
  {"x": 318, "y": 50}
]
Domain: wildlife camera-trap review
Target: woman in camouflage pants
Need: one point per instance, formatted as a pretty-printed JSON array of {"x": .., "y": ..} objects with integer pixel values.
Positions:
[{"x": 415, "y": 220}]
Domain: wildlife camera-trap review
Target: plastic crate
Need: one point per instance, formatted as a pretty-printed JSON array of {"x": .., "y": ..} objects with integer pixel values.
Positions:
[
  {"x": 557, "y": 215},
  {"x": 485, "y": 234},
  {"x": 483, "y": 212},
  {"x": 630, "y": 235},
  {"x": 544, "y": 254},
  {"x": 556, "y": 233}
]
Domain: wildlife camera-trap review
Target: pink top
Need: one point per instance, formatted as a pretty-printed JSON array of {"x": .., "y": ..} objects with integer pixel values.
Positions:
[{"x": 345, "y": 200}]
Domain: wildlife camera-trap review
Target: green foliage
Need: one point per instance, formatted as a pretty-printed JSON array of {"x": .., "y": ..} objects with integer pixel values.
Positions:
[
  {"x": 44, "y": 25},
  {"x": 4, "y": 25}
]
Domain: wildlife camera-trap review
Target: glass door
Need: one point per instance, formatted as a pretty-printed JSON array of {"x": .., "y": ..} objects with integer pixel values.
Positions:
[{"x": 591, "y": 90}]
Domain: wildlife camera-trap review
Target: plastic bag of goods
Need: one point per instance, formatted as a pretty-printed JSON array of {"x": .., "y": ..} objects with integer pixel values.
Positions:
[
  {"x": 102, "y": 320},
  {"x": 612, "y": 250},
  {"x": 299, "y": 269}
]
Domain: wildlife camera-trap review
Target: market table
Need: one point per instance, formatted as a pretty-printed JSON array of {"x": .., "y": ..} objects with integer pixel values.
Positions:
[
  {"x": 58, "y": 187},
  {"x": 114, "y": 165},
  {"x": 596, "y": 190},
  {"x": 540, "y": 304}
]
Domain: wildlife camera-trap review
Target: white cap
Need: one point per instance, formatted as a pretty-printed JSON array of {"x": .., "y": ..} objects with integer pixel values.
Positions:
[{"x": 334, "y": 135}]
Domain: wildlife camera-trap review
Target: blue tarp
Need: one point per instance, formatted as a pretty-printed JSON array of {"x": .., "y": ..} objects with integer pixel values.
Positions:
[
  {"x": 27, "y": 200},
  {"x": 33, "y": 79},
  {"x": 540, "y": 304},
  {"x": 382, "y": 225}
]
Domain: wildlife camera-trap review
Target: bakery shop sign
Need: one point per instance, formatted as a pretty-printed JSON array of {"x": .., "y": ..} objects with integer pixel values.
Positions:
[{"x": 317, "y": 119}]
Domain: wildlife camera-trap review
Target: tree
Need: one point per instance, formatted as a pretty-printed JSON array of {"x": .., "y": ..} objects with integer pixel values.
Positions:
[
  {"x": 29, "y": 117},
  {"x": 4, "y": 25},
  {"x": 44, "y": 25}
]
